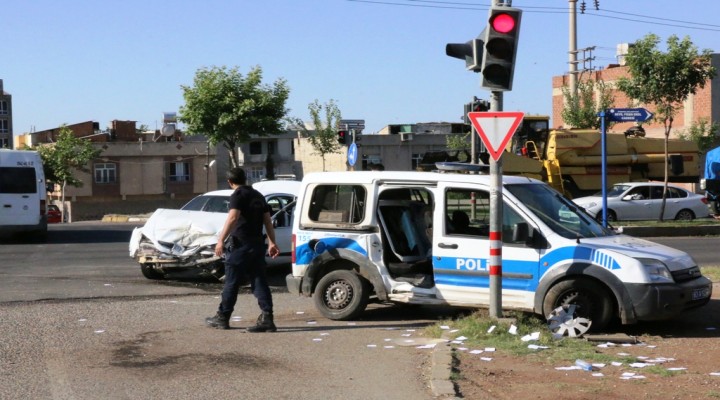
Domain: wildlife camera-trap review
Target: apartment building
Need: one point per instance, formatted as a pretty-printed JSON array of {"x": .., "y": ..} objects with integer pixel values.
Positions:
[
  {"x": 705, "y": 104},
  {"x": 6, "y": 130}
]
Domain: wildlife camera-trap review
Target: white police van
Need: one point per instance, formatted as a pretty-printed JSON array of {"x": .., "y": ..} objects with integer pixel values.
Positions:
[
  {"x": 423, "y": 238},
  {"x": 22, "y": 194}
]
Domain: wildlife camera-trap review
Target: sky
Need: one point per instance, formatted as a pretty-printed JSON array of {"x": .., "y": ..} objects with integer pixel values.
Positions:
[{"x": 383, "y": 61}]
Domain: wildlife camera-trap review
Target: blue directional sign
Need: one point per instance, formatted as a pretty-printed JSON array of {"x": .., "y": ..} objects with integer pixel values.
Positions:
[
  {"x": 629, "y": 114},
  {"x": 352, "y": 154}
]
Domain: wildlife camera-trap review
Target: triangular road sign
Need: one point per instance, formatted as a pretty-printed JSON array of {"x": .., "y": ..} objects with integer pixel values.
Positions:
[{"x": 495, "y": 128}]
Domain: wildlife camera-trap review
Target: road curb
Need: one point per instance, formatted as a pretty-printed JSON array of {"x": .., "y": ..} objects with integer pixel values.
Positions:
[{"x": 441, "y": 370}]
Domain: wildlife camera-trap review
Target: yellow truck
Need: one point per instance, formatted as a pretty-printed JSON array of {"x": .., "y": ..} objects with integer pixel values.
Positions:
[{"x": 571, "y": 160}]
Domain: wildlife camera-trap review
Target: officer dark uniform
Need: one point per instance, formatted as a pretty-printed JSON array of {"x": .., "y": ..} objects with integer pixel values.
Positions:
[{"x": 243, "y": 244}]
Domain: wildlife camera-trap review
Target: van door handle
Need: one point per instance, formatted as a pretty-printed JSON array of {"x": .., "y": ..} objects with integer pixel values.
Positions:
[{"x": 448, "y": 245}]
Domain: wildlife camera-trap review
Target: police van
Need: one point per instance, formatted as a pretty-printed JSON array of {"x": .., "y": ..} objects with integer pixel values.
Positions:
[
  {"x": 22, "y": 194},
  {"x": 423, "y": 238}
]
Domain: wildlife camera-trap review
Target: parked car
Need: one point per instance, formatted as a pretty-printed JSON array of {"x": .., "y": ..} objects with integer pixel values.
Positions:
[
  {"x": 54, "y": 215},
  {"x": 185, "y": 239},
  {"x": 642, "y": 201}
]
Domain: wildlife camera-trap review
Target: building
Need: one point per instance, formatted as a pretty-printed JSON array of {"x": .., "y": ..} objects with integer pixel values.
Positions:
[
  {"x": 136, "y": 172},
  {"x": 398, "y": 147},
  {"x": 705, "y": 104},
  {"x": 6, "y": 126}
]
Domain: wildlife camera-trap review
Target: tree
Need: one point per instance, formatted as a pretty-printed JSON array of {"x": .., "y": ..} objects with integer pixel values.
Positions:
[
  {"x": 665, "y": 80},
  {"x": 63, "y": 158},
  {"x": 703, "y": 133},
  {"x": 229, "y": 108},
  {"x": 582, "y": 107},
  {"x": 323, "y": 138}
]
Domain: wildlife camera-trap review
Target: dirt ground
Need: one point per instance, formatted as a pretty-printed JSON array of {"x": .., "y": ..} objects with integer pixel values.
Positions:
[{"x": 691, "y": 340}]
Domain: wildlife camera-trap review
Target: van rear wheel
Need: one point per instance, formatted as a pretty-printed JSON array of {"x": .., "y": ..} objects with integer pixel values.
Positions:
[
  {"x": 591, "y": 301},
  {"x": 341, "y": 295}
]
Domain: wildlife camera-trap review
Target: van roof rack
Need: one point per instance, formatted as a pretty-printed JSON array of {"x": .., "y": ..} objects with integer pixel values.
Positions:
[{"x": 461, "y": 167}]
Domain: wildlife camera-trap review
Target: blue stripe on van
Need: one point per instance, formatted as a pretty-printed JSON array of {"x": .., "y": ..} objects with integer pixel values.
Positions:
[{"x": 303, "y": 253}]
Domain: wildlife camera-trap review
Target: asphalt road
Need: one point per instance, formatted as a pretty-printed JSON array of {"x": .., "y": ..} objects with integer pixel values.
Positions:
[{"x": 80, "y": 322}]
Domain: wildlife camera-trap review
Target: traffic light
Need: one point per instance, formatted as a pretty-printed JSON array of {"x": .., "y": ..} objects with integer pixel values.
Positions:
[
  {"x": 470, "y": 51},
  {"x": 474, "y": 106},
  {"x": 501, "y": 41},
  {"x": 342, "y": 137}
]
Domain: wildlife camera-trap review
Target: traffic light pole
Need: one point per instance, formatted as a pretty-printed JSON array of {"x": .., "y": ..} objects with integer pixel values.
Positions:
[
  {"x": 496, "y": 217},
  {"x": 473, "y": 146}
]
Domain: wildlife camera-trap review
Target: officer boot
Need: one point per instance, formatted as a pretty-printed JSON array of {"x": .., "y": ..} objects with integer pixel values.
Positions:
[
  {"x": 219, "y": 321},
  {"x": 264, "y": 323}
]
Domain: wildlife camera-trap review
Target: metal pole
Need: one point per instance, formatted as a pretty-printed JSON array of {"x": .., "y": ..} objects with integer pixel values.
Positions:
[
  {"x": 207, "y": 168},
  {"x": 473, "y": 155},
  {"x": 603, "y": 172},
  {"x": 496, "y": 207},
  {"x": 572, "y": 51}
]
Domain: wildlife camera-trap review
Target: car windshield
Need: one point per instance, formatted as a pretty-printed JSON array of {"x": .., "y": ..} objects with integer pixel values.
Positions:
[
  {"x": 615, "y": 191},
  {"x": 558, "y": 213}
]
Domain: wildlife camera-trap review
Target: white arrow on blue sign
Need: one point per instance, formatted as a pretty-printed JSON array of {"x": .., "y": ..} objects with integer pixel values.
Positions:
[
  {"x": 352, "y": 154},
  {"x": 629, "y": 114}
]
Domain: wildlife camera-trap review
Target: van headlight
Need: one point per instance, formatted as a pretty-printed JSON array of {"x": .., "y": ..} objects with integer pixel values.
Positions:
[{"x": 657, "y": 270}]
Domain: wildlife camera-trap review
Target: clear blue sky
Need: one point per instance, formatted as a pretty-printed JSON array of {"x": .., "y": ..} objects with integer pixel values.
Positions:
[{"x": 383, "y": 61}]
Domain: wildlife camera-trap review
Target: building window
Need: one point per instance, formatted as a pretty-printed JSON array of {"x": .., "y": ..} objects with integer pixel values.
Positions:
[
  {"x": 179, "y": 172},
  {"x": 255, "y": 147},
  {"x": 105, "y": 173},
  {"x": 255, "y": 174},
  {"x": 3, "y": 107},
  {"x": 416, "y": 161},
  {"x": 4, "y": 143},
  {"x": 271, "y": 147},
  {"x": 4, "y": 126},
  {"x": 369, "y": 159}
]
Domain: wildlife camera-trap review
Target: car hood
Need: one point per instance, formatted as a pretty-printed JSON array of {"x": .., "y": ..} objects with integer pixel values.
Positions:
[
  {"x": 583, "y": 201},
  {"x": 179, "y": 232},
  {"x": 640, "y": 248}
]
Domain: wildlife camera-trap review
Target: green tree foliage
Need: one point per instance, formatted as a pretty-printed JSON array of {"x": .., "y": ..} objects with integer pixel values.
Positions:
[
  {"x": 325, "y": 120},
  {"x": 458, "y": 141},
  {"x": 703, "y": 133},
  {"x": 62, "y": 160},
  {"x": 582, "y": 107},
  {"x": 665, "y": 79},
  {"x": 229, "y": 108}
]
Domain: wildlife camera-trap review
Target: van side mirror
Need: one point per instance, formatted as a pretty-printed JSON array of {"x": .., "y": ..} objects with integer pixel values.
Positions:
[{"x": 521, "y": 232}]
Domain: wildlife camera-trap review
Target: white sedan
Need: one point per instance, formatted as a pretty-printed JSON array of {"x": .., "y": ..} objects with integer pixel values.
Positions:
[
  {"x": 642, "y": 201},
  {"x": 185, "y": 239}
]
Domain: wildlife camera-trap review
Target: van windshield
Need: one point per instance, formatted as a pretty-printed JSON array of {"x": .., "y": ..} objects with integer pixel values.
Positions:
[{"x": 560, "y": 214}]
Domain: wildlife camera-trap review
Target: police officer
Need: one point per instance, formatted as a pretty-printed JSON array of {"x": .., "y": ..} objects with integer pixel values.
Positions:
[{"x": 243, "y": 243}]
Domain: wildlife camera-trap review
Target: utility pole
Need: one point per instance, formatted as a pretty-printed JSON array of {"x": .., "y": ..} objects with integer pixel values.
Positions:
[{"x": 572, "y": 50}]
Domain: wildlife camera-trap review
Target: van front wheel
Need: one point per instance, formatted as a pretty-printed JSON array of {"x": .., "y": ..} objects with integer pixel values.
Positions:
[
  {"x": 341, "y": 295},
  {"x": 591, "y": 300}
]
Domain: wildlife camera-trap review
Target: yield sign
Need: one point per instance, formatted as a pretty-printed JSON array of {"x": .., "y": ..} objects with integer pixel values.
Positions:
[{"x": 495, "y": 129}]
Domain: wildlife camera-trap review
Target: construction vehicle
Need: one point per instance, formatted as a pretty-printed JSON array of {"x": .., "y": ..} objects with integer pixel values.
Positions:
[
  {"x": 570, "y": 160},
  {"x": 710, "y": 182}
]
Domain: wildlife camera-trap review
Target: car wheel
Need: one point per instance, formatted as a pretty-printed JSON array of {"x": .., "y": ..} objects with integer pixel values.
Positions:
[
  {"x": 341, "y": 295},
  {"x": 611, "y": 217},
  {"x": 685, "y": 215},
  {"x": 591, "y": 301},
  {"x": 150, "y": 272}
]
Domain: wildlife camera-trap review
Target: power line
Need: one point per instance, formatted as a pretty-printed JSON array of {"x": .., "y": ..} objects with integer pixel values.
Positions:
[{"x": 548, "y": 10}]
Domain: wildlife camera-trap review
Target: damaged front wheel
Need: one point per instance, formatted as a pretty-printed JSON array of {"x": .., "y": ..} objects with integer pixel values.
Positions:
[{"x": 148, "y": 270}]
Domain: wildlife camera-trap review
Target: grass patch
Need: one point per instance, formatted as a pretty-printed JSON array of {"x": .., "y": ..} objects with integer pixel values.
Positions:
[
  {"x": 712, "y": 272},
  {"x": 562, "y": 351},
  {"x": 671, "y": 223}
]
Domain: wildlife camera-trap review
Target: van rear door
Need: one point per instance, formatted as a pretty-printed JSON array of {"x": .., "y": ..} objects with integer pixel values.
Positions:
[{"x": 19, "y": 198}]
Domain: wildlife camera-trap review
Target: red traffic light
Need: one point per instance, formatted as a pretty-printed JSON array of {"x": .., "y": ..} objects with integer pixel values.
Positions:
[{"x": 503, "y": 23}]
